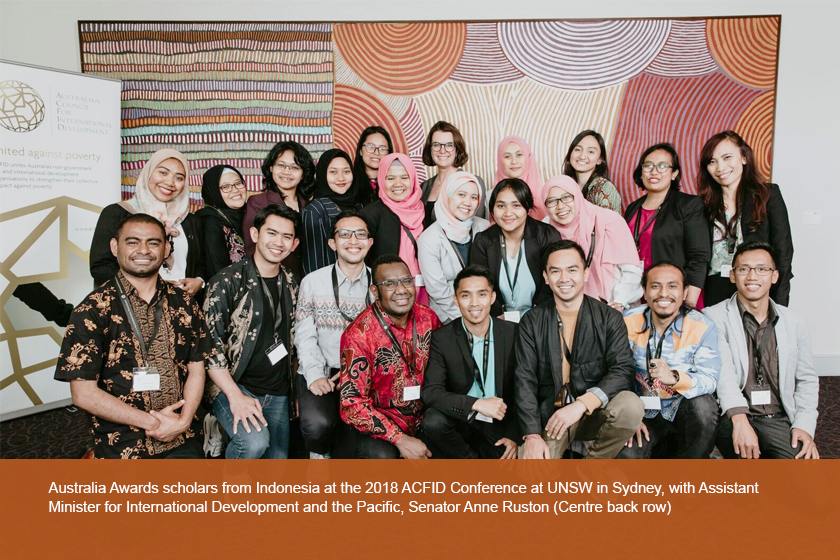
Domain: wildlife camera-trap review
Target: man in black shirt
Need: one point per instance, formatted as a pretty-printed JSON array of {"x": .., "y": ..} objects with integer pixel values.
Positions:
[{"x": 250, "y": 313}]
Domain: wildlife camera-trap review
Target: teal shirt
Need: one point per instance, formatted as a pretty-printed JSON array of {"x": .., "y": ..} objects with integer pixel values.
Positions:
[
  {"x": 525, "y": 287},
  {"x": 478, "y": 356}
]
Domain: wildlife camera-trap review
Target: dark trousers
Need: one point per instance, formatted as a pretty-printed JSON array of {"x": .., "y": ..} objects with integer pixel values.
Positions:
[
  {"x": 191, "y": 449},
  {"x": 717, "y": 289},
  {"x": 449, "y": 438},
  {"x": 773, "y": 437},
  {"x": 318, "y": 418},
  {"x": 367, "y": 447},
  {"x": 692, "y": 432}
]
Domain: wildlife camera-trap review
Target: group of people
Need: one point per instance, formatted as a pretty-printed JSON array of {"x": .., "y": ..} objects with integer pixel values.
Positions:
[{"x": 400, "y": 319}]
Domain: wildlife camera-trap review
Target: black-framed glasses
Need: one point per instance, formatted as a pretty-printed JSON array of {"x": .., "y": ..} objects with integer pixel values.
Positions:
[
  {"x": 238, "y": 185},
  {"x": 391, "y": 285},
  {"x": 648, "y": 167},
  {"x": 381, "y": 150},
  {"x": 437, "y": 146},
  {"x": 743, "y": 270},
  {"x": 565, "y": 199},
  {"x": 360, "y": 234}
]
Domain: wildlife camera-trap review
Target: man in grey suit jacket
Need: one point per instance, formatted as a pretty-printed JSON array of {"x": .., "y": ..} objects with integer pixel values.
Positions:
[{"x": 768, "y": 389}]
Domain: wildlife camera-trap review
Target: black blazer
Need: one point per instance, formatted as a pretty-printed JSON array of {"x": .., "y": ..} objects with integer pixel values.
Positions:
[
  {"x": 601, "y": 358},
  {"x": 103, "y": 264},
  {"x": 449, "y": 374},
  {"x": 487, "y": 251},
  {"x": 679, "y": 234},
  {"x": 775, "y": 230},
  {"x": 385, "y": 228}
]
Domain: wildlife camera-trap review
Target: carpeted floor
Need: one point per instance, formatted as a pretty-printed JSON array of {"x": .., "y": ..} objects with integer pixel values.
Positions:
[{"x": 62, "y": 433}]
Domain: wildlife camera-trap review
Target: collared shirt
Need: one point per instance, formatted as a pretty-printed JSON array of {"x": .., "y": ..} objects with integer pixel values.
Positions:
[
  {"x": 374, "y": 375},
  {"x": 488, "y": 378},
  {"x": 525, "y": 288},
  {"x": 319, "y": 324},
  {"x": 769, "y": 362},
  {"x": 690, "y": 346},
  {"x": 100, "y": 346}
]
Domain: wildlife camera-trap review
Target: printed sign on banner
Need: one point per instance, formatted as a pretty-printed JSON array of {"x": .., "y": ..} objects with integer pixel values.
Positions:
[{"x": 59, "y": 165}]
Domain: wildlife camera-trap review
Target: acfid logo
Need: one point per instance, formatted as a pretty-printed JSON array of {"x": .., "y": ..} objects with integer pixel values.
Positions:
[{"x": 21, "y": 108}]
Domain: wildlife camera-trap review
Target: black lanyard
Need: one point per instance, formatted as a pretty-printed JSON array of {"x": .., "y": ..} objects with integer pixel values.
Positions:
[
  {"x": 277, "y": 310},
  {"x": 637, "y": 235},
  {"x": 591, "y": 248},
  {"x": 758, "y": 349},
  {"x": 566, "y": 393},
  {"x": 658, "y": 353},
  {"x": 457, "y": 253},
  {"x": 567, "y": 354},
  {"x": 411, "y": 237},
  {"x": 480, "y": 375},
  {"x": 512, "y": 284},
  {"x": 347, "y": 317},
  {"x": 411, "y": 365},
  {"x": 135, "y": 325}
]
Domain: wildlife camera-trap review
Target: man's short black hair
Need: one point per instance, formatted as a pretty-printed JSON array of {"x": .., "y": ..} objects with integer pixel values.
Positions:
[
  {"x": 280, "y": 210},
  {"x": 753, "y": 246},
  {"x": 473, "y": 271},
  {"x": 562, "y": 245},
  {"x": 139, "y": 219},
  {"x": 662, "y": 264},
  {"x": 348, "y": 214},
  {"x": 382, "y": 261}
]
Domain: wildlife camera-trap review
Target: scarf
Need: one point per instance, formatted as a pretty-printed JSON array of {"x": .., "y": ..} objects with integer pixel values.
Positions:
[
  {"x": 410, "y": 211},
  {"x": 455, "y": 229},
  {"x": 170, "y": 213},
  {"x": 212, "y": 195},
  {"x": 532, "y": 175},
  {"x": 346, "y": 201}
]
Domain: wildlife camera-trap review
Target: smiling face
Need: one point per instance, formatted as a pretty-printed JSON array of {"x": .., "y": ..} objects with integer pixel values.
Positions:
[
  {"x": 564, "y": 212},
  {"x": 566, "y": 274},
  {"x": 665, "y": 291},
  {"x": 235, "y": 197},
  {"x": 396, "y": 303},
  {"x": 752, "y": 286},
  {"x": 140, "y": 250},
  {"x": 351, "y": 250},
  {"x": 586, "y": 155},
  {"x": 508, "y": 212},
  {"x": 727, "y": 164},
  {"x": 397, "y": 182},
  {"x": 286, "y": 172},
  {"x": 513, "y": 160},
  {"x": 168, "y": 180},
  {"x": 339, "y": 175},
  {"x": 443, "y": 158},
  {"x": 474, "y": 297},
  {"x": 275, "y": 239},
  {"x": 658, "y": 181},
  {"x": 464, "y": 201},
  {"x": 371, "y": 161}
]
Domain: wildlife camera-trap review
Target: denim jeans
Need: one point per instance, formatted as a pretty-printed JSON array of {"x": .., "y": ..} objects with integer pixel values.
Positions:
[{"x": 272, "y": 442}]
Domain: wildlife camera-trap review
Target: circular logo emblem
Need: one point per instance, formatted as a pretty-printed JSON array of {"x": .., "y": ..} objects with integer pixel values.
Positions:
[{"x": 21, "y": 108}]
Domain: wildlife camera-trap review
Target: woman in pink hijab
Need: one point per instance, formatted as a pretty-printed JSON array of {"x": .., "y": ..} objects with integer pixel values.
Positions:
[
  {"x": 515, "y": 160},
  {"x": 614, "y": 267},
  {"x": 396, "y": 220}
]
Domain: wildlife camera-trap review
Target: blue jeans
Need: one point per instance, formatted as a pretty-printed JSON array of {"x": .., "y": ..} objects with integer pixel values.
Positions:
[{"x": 270, "y": 443}]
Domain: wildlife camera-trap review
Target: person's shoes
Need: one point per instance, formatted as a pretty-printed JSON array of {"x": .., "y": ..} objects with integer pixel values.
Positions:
[{"x": 313, "y": 455}]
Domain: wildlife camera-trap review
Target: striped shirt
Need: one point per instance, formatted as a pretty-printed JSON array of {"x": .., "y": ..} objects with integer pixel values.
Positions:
[{"x": 317, "y": 220}]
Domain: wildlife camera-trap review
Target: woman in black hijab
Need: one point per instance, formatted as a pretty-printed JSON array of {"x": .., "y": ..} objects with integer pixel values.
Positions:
[
  {"x": 223, "y": 191},
  {"x": 335, "y": 191}
]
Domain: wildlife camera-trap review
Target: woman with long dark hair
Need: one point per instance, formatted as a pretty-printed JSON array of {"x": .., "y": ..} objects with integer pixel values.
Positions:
[
  {"x": 374, "y": 144},
  {"x": 586, "y": 163},
  {"x": 741, "y": 207}
]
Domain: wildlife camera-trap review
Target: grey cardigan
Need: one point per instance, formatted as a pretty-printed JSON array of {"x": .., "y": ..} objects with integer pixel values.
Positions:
[
  {"x": 798, "y": 381},
  {"x": 439, "y": 265}
]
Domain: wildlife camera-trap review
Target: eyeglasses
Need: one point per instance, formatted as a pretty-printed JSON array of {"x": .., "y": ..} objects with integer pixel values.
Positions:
[
  {"x": 743, "y": 270},
  {"x": 437, "y": 146},
  {"x": 360, "y": 234},
  {"x": 565, "y": 199},
  {"x": 647, "y": 167},
  {"x": 284, "y": 167},
  {"x": 381, "y": 150},
  {"x": 227, "y": 188},
  {"x": 391, "y": 285}
]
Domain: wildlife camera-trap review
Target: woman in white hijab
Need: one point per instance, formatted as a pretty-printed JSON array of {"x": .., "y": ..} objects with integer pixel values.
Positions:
[
  {"x": 444, "y": 248},
  {"x": 161, "y": 191}
]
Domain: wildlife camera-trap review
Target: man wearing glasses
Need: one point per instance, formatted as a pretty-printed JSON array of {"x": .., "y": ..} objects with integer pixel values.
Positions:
[
  {"x": 330, "y": 298},
  {"x": 384, "y": 353},
  {"x": 768, "y": 388}
]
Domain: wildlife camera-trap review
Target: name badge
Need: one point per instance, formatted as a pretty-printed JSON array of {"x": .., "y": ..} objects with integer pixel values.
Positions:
[
  {"x": 411, "y": 393},
  {"x": 418, "y": 280},
  {"x": 512, "y": 316},
  {"x": 758, "y": 398},
  {"x": 276, "y": 352},
  {"x": 652, "y": 403},
  {"x": 482, "y": 418},
  {"x": 145, "y": 379},
  {"x": 725, "y": 270}
]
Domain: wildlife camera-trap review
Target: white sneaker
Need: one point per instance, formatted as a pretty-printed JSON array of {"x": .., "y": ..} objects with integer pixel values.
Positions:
[{"x": 313, "y": 455}]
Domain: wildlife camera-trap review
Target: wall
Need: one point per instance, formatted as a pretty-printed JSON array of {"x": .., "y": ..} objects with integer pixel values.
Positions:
[{"x": 806, "y": 142}]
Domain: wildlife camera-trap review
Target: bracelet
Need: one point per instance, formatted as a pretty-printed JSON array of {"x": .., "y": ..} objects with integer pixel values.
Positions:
[{"x": 676, "y": 377}]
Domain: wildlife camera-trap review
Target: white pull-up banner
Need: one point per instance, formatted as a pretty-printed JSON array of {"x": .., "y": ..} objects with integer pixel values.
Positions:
[{"x": 59, "y": 165}]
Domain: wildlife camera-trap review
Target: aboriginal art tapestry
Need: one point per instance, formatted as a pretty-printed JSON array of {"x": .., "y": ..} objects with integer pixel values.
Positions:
[{"x": 227, "y": 92}]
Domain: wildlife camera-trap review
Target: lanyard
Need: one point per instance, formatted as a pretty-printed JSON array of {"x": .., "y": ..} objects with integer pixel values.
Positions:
[
  {"x": 347, "y": 317},
  {"x": 567, "y": 354},
  {"x": 658, "y": 353},
  {"x": 135, "y": 325},
  {"x": 396, "y": 345},
  {"x": 277, "y": 310},
  {"x": 591, "y": 248},
  {"x": 638, "y": 234},
  {"x": 566, "y": 393},
  {"x": 458, "y": 253},
  {"x": 512, "y": 284},
  {"x": 480, "y": 375},
  {"x": 759, "y": 349},
  {"x": 411, "y": 237}
]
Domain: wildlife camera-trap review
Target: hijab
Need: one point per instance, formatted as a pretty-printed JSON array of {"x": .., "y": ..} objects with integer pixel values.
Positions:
[
  {"x": 613, "y": 241},
  {"x": 532, "y": 175},
  {"x": 212, "y": 195},
  {"x": 350, "y": 198},
  {"x": 455, "y": 229},
  {"x": 410, "y": 211},
  {"x": 170, "y": 213}
]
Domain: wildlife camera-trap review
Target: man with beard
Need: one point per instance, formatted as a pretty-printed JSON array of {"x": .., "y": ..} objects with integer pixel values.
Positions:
[
  {"x": 677, "y": 365},
  {"x": 250, "y": 310},
  {"x": 574, "y": 369},
  {"x": 142, "y": 404},
  {"x": 384, "y": 353}
]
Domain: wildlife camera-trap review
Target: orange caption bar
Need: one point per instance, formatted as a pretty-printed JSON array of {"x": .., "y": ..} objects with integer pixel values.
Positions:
[{"x": 419, "y": 509}]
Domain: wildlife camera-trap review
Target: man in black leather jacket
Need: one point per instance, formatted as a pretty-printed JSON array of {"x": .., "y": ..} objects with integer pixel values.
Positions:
[{"x": 575, "y": 371}]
